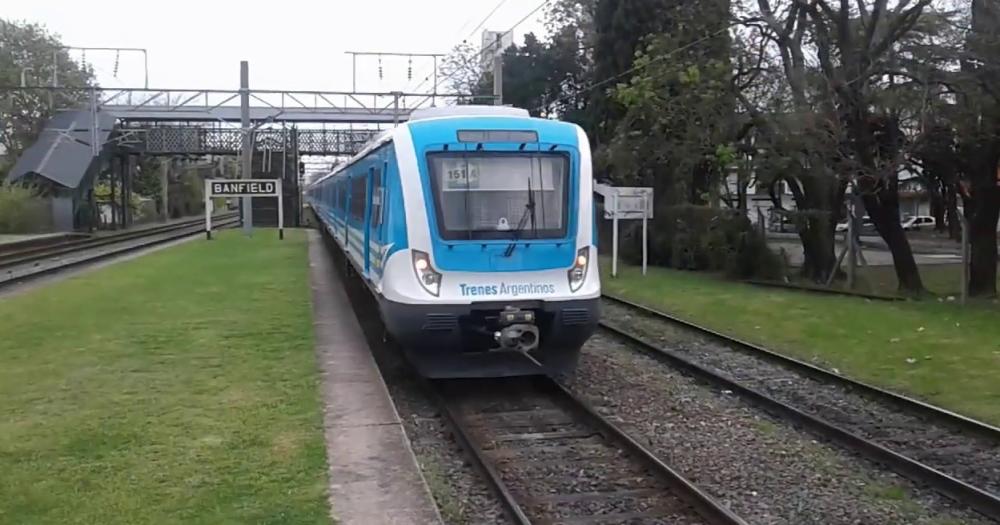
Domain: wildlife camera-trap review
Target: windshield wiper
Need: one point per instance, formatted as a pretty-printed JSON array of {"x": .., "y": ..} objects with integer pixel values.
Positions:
[{"x": 529, "y": 213}]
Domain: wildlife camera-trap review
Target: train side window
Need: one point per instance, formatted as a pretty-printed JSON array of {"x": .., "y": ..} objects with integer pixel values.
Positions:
[
  {"x": 377, "y": 196},
  {"x": 359, "y": 190}
]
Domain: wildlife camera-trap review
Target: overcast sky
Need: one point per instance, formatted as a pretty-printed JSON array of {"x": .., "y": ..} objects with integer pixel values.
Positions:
[{"x": 290, "y": 44}]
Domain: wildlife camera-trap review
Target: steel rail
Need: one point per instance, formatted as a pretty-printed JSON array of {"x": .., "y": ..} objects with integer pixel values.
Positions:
[
  {"x": 462, "y": 435},
  {"x": 705, "y": 505},
  {"x": 156, "y": 238},
  {"x": 920, "y": 407},
  {"x": 976, "y": 498},
  {"x": 37, "y": 253},
  {"x": 824, "y": 291}
]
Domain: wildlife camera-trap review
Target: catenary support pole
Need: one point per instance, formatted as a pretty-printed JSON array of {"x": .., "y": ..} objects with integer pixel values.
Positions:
[
  {"x": 247, "y": 170},
  {"x": 113, "y": 179},
  {"x": 164, "y": 189},
  {"x": 208, "y": 210},
  {"x": 281, "y": 211},
  {"x": 498, "y": 71}
]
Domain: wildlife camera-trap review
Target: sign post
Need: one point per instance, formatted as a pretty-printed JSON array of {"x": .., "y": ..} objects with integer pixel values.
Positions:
[
  {"x": 614, "y": 236},
  {"x": 243, "y": 188},
  {"x": 627, "y": 203},
  {"x": 645, "y": 227}
]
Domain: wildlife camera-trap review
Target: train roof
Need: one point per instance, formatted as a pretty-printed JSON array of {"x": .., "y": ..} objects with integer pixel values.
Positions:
[
  {"x": 429, "y": 114},
  {"x": 468, "y": 111}
]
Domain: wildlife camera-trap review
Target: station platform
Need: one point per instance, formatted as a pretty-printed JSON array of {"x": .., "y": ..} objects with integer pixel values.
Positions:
[{"x": 374, "y": 476}]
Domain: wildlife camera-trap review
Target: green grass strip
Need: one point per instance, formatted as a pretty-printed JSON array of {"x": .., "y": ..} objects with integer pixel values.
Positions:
[
  {"x": 179, "y": 387},
  {"x": 940, "y": 352}
]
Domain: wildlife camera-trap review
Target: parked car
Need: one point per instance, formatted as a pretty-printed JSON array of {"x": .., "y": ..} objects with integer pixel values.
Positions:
[
  {"x": 919, "y": 222},
  {"x": 867, "y": 226}
]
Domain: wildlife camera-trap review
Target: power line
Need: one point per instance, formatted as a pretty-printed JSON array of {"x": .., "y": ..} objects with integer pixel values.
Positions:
[
  {"x": 501, "y": 37},
  {"x": 473, "y": 32},
  {"x": 631, "y": 70},
  {"x": 483, "y": 21}
]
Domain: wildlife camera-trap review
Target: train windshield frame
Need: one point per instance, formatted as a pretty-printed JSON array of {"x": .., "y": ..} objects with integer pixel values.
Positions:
[{"x": 484, "y": 195}]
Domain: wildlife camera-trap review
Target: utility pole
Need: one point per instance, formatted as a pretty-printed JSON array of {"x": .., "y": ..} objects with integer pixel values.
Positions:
[
  {"x": 498, "y": 71},
  {"x": 247, "y": 171},
  {"x": 164, "y": 188}
]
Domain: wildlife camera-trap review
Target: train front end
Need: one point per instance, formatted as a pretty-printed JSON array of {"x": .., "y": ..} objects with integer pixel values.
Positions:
[{"x": 501, "y": 272}]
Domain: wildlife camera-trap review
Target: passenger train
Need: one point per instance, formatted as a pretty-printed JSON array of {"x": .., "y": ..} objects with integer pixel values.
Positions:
[{"x": 474, "y": 229}]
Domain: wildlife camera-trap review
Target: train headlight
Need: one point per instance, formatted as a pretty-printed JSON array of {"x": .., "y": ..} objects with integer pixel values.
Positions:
[
  {"x": 429, "y": 278},
  {"x": 578, "y": 273}
]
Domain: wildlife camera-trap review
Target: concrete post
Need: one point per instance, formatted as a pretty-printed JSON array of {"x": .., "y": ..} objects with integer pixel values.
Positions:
[
  {"x": 164, "y": 189},
  {"x": 498, "y": 71},
  {"x": 247, "y": 152}
]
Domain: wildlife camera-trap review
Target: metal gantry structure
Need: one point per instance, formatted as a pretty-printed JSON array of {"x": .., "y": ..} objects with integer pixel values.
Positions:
[{"x": 270, "y": 130}]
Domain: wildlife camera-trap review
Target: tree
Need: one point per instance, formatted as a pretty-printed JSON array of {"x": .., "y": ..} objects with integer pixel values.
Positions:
[
  {"x": 463, "y": 70},
  {"x": 979, "y": 143},
  {"x": 620, "y": 29},
  {"x": 678, "y": 130},
  {"x": 795, "y": 126},
  {"x": 28, "y": 49},
  {"x": 856, "y": 47}
]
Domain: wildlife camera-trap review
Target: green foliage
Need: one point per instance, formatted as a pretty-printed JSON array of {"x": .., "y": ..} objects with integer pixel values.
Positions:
[
  {"x": 462, "y": 70},
  {"x": 701, "y": 238},
  {"x": 678, "y": 129},
  {"x": 22, "y": 210},
  {"x": 28, "y": 48}
]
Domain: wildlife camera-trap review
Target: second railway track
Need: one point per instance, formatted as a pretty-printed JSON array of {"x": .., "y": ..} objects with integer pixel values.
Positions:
[
  {"x": 28, "y": 264},
  {"x": 552, "y": 459},
  {"x": 956, "y": 455}
]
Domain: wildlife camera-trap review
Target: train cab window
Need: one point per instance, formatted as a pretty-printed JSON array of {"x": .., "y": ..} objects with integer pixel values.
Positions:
[
  {"x": 359, "y": 191},
  {"x": 486, "y": 195}
]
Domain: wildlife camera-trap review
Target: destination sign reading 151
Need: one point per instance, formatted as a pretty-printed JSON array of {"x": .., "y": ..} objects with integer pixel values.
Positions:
[{"x": 244, "y": 187}]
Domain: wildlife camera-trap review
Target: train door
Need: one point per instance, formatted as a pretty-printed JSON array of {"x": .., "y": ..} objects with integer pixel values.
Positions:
[
  {"x": 377, "y": 215},
  {"x": 345, "y": 195},
  {"x": 367, "y": 225}
]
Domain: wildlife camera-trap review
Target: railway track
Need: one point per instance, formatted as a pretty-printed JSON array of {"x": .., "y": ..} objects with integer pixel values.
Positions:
[
  {"x": 956, "y": 455},
  {"x": 551, "y": 458},
  {"x": 31, "y": 262}
]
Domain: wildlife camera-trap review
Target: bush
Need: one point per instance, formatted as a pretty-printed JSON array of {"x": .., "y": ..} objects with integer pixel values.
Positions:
[
  {"x": 700, "y": 238},
  {"x": 22, "y": 210}
]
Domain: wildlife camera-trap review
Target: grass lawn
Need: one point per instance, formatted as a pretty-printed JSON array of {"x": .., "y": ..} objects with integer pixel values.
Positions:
[
  {"x": 939, "y": 279},
  {"x": 956, "y": 350},
  {"x": 180, "y": 387}
]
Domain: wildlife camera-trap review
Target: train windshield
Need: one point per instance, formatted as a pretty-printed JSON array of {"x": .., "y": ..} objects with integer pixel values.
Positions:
[{"x": 500, "y": 196}]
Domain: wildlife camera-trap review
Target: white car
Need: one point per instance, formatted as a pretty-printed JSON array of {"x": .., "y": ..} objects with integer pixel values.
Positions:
[
  {"x": 866, "y": 225},
  {"x": 919, "y": 222}
]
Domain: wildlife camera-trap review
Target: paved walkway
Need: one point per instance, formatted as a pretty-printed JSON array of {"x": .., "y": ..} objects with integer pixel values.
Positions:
[{"x": 374, "y": 477}]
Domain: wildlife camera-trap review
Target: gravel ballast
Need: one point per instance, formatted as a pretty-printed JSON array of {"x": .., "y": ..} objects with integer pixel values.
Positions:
[
  {"x": 764, "y": 470},
  {"x": 973, "y": 459}
]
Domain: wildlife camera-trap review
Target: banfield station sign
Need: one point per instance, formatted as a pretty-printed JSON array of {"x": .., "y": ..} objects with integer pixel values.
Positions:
[{"x": 244, "y": 188}]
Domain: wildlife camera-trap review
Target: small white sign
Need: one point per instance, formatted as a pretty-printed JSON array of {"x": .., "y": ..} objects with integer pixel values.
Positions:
[
  {"x": 622, "y": 204},
  {"x": 243, "y": 188},
  {"x": 632, "y": 203}
]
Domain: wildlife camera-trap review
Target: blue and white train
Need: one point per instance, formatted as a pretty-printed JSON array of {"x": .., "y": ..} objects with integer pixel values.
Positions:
[{"x": 474, "y": 228}]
